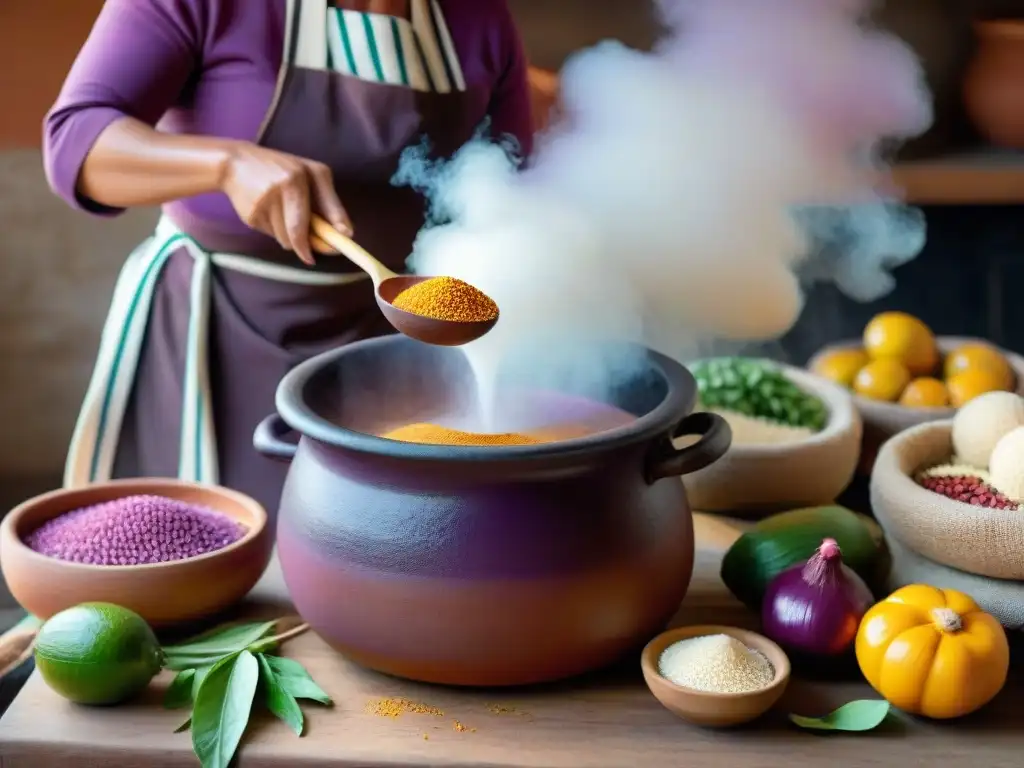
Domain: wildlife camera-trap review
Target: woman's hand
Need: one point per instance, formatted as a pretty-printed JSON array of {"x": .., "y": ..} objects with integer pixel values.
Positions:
[{"x": 275, "y": 192}]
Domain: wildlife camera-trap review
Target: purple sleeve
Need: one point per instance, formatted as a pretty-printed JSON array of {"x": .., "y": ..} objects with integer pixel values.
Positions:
[
  {"x": 510, "y": 104},
  {"x": 135, "y": 62}
]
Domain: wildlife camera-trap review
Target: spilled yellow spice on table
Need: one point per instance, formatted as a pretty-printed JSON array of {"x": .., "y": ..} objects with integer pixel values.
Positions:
[
  {"x": 447, "y": 298},
  {"x": 397, "y": 706},
  {"x": 393, "y": 707},
  {"x": 501, "y": 709}
]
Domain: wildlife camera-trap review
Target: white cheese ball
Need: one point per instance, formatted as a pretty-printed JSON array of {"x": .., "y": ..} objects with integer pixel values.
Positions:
[
  {"x": 1007, "y": 465},
  {"x": 982, "y": 422}
]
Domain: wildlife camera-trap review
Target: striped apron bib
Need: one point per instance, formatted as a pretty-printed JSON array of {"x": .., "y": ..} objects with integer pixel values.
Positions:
[{"x": 355, "y": 89}]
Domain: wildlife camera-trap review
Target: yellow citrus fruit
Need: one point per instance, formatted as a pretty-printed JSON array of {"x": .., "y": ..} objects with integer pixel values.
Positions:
[
  {"x": 925, "y": 392},
  {"x": 964, "y": 387},
  {"x": 882, "y": 379},
  {"x": 978, "y": 355},
  {"x": 904, "y": 338},
  {"x": 841, "y": 365}
]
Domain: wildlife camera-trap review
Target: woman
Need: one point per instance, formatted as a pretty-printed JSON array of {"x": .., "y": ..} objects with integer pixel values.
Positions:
[{"x": 239, "y": 117}]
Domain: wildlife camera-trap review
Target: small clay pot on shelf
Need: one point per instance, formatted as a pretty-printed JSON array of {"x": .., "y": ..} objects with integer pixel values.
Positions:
[{"x": 994, "y": 84}]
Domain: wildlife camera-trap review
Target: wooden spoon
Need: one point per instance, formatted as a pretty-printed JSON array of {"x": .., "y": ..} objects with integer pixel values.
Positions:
[{"x": 387, "y": 285}]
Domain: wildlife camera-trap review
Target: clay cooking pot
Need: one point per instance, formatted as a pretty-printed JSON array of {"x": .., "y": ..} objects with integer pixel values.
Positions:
[
  {"x": 994, "y": 85},
  {"x": 481, "y": 565}
]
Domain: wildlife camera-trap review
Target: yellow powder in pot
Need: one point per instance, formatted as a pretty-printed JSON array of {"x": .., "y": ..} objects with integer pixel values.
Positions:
[
  {"x": 432, "y": 434},
  {"x": 447, "y": 298}
]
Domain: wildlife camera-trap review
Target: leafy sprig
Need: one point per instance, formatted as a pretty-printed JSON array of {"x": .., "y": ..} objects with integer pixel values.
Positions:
[
  {"x": 222, "y": 673},
  {"x": 854, "y": 716}
]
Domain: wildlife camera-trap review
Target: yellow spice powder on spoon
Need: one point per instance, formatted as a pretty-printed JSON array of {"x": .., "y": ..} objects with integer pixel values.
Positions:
[{"x": 447, "y": 298}]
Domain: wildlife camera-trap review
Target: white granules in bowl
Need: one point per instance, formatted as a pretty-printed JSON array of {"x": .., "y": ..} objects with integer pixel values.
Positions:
[
  {"x": 749, "y": 430},
  {"x": 716, "y": 664}
]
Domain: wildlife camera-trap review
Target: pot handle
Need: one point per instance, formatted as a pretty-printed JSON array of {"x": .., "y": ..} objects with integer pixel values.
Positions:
[
  {"x": 268, "y": 439},
  {"x": 665, "y": 460}
]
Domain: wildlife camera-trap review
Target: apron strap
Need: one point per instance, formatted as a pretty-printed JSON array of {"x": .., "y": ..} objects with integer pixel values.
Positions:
[
  {"x": 310, "y": 38},
  {"x": 94, "y": 442}
]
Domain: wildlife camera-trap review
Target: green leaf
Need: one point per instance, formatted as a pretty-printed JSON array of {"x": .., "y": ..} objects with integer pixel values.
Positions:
[
  {"x": 179, "y": 692},
  {"x": 281, "y": 703},
  {"x": 199, "y": 675},
  {"x": 862, "y": 715},
  {"x": 266, "y": 645},
  {"x": 220, "y": 641},
  {"x": 221, "y": 711},
  {"x": 294, "y": 678},
  {"x": 184, "y": 726},
  {"x": 181, "y": 663}
]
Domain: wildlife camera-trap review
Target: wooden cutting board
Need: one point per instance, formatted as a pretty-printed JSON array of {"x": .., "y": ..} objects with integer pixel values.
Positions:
[{"x": 608, "y": 720}]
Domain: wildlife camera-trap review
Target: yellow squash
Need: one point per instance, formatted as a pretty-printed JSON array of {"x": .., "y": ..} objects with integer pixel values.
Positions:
[{"x": 933, "y": 652}]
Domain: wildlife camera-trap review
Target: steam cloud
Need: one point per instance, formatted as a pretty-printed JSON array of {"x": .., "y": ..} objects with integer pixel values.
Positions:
[{"x": 684, "y": 195}]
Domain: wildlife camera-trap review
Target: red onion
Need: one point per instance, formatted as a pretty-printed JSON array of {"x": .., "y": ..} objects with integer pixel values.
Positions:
[{"x": 816, "y": 608}]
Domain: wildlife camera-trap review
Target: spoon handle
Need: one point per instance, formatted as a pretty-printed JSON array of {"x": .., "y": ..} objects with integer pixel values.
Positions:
[{"x": 350, "y": 249}]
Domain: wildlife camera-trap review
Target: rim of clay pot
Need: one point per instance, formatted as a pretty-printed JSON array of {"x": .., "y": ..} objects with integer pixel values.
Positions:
[
  {"x": 660, "y": 421},
  {"x": 1008, "y": 28},
  {"x": 11, "y": 522}
]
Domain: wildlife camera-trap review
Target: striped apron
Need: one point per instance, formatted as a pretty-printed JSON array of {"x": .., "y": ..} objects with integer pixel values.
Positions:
[
  {"x": 94, "y": 442},
  {"x": 339, "y": 66}
]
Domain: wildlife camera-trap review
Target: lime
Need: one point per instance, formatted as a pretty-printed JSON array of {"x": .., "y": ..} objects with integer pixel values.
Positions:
[{"x": 97, "y": 653}]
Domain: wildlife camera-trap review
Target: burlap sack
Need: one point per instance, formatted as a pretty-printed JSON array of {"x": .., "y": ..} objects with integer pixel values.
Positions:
[
  {"x": 1003, "y": 599},
  {"x": 986, "y": 542},
  {"x": 755, "y": 480},
  {"x": 883, "y": 420}
]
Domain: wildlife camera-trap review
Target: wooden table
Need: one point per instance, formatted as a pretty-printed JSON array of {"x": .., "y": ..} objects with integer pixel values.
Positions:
[{"x": 607, "y": 720}]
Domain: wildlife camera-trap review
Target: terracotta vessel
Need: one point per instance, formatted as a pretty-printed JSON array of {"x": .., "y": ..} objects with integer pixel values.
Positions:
[
  {"x": 715, "y": 709},
  {"x": 482, "y": 565},
  {"x": 164, "y": 594},
  {"x": 994, "y": 85}
]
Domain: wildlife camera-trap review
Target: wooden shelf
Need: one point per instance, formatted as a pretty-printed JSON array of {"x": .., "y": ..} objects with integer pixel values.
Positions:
[{"x": 976, "y": 177}]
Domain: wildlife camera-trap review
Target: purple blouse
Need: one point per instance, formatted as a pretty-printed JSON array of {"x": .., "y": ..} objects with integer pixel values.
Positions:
[{"x": 210, "y": 67}]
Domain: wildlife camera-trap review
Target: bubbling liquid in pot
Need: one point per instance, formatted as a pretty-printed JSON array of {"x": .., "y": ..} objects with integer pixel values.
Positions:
[
  {"x": 526, "y": 419},
  {"x": 432, "y": 434}
]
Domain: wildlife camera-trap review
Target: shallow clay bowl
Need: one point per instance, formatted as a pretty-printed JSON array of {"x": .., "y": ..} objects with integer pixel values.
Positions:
[
  {"x": 162, "y": 593},
  {"x": 883, "y": 420},
  {"x": 714, "y": 709},
  {"x": 443, "y": 333},
  {"x": 753, "y": 481}
]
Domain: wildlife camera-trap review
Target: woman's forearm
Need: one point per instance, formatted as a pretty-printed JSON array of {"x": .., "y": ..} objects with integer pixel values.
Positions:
[{"x": 132, "y": 164}]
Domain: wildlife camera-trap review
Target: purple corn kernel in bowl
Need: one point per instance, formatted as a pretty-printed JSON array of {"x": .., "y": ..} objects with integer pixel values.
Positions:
[{"x": 135, "y": 530}]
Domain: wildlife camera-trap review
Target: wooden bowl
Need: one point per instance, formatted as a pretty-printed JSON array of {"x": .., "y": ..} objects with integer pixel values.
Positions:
[
  {"x": 752, "y": 481},
  {"x": 714, "y": 709},
  {"x": 978, "y": 540},
  {"x": 162, "y": 593},
  {"x": 883, "y": 420}
]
